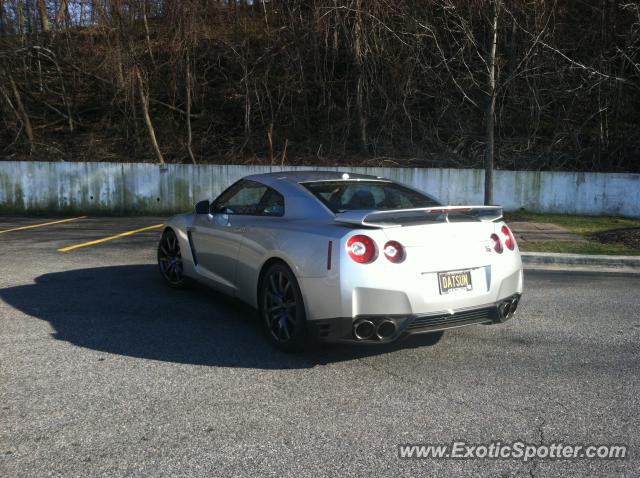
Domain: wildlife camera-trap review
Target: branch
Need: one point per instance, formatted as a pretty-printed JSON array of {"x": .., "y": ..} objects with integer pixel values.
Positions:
[{"x": 589, "y": 69}]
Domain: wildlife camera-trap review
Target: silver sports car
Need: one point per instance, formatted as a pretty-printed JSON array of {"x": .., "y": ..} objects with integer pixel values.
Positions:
[{"x": 346, "y": 257}]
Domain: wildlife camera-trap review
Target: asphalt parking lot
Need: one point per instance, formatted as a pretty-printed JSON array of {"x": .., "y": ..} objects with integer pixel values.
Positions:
[{"x": 104, "y": 371}]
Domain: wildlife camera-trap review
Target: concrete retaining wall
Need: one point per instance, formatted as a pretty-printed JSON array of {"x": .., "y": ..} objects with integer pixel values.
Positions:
[{"x": 139, "y": 188}]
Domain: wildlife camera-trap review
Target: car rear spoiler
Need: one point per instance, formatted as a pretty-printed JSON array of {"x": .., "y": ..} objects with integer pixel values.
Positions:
[{"x": 383, "y": 219}]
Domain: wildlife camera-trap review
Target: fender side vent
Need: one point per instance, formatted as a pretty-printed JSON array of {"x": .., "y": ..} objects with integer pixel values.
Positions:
[{"x": 193, "y": 249}]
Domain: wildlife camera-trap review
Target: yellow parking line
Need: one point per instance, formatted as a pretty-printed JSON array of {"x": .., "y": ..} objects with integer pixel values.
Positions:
[
  {"x": 110, "y": 238},
  {"x": 22, "y": 228}
]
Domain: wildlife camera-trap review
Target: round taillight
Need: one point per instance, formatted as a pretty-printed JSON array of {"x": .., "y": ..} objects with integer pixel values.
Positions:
[
  {"x": 394, "y": 251},
  {"x": 509, "y": 240},
  {"x": 361, "y": 249},
  {"x": 496, "y": 245}
]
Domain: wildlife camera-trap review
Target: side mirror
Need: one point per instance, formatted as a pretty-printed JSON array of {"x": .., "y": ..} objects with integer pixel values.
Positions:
[{"x": 202, "y": 207}]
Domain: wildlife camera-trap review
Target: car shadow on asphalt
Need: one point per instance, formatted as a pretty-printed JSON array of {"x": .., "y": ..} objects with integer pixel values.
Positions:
[{"x": 127, "y": 310}]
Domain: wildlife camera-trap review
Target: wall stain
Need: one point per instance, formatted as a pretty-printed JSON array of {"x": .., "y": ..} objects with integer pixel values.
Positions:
[{"x": 143, "y": 188}]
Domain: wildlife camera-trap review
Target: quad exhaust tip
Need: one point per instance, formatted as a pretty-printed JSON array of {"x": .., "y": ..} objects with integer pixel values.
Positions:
[
  {"x": 386, "y": 329},
  {"x": 363, "y": 329},
  {"x": 508, "y": 308}
]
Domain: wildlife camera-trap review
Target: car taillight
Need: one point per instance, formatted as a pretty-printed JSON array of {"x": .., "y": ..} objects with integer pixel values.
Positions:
[
  {"x": 496, "y": 245},
  {"x": 509, "y": 240},
  {"x": 394, "y": 251},
  {"x": 361, "y": 249}
]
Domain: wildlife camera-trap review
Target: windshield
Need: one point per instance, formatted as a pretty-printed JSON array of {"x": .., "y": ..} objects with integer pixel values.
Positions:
[{"x": 340, "y": 196}]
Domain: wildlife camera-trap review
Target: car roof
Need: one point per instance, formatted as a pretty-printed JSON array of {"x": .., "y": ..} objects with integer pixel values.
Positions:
[
  {"x": 310, "y": 176},
  {"x": 307, "y": 204}
]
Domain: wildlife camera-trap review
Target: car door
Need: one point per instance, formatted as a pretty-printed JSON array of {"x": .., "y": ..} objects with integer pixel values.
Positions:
[{"x": 216, "y": 237}]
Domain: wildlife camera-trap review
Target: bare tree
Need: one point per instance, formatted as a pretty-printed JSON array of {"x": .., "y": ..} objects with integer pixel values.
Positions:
[
  {"x": 24, "y": 117},
  {"x": 447, "y": 83},
  {"x": 44, "y": 16},
  {"x": 188, "y": 82},
  {"x": 489, "y": 161},
  {"x": 62, "y": 15},
  {"x": 144, "y": 102},
  {"x": 359, "y": 56}
]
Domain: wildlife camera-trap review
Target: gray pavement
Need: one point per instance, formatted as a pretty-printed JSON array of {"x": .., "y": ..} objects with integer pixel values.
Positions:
[{"x": 106, "y": 372}]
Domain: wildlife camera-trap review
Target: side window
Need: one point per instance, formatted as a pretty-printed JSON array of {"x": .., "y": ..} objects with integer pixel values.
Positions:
[
  {"x": 249, "y": 198},
  {"x": 272, "y": 203}
]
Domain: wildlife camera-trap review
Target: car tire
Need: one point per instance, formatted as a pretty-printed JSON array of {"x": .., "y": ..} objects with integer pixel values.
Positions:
[
  {"x": 282, "y": 309},
  {"x": 170, "y": 260}
]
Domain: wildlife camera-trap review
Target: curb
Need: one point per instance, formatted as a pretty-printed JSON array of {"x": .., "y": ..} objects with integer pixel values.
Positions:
[{"x": 580, "y": 262}]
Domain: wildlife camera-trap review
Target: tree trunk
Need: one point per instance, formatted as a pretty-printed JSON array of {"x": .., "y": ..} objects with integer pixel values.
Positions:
[
  {"x": 20, "y": 30},
  {"x": 270, "y": 143},
  {"x": 359, "y": 54},
  {"x": 491, "y": 109},
  {"x": 44, "y": 16},
  {"x": 27, "y": 16},
  {"x": 25, "y": 118},
  {"x": 3, "y": 19},
  {"x": 63, "y": 13},
  {"x": 189, "y": 133},
  {"x": 7, "y": 100},
  {"x": 146, "y": 31},
  {"x": 144, "y": 100}
]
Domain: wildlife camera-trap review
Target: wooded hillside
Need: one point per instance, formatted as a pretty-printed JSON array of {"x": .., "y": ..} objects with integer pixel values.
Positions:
[{"x": 389, "y": 82}]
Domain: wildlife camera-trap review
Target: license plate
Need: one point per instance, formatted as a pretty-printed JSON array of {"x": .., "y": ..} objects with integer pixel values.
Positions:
[{"x": 454, "y": 281}]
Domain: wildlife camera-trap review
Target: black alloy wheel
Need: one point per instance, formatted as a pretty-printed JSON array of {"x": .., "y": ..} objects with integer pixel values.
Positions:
[
  {"x": 282, "y": 308},
  {"x": 170, "y": 259}
]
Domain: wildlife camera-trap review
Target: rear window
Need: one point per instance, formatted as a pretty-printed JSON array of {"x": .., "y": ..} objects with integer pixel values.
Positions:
[{"x": 340, "y": 196}]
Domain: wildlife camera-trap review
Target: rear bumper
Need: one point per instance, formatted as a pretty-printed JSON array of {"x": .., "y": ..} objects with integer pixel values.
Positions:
[
  {"x": 377, "y": 329},
  {"x": 405, "y": 294}
]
